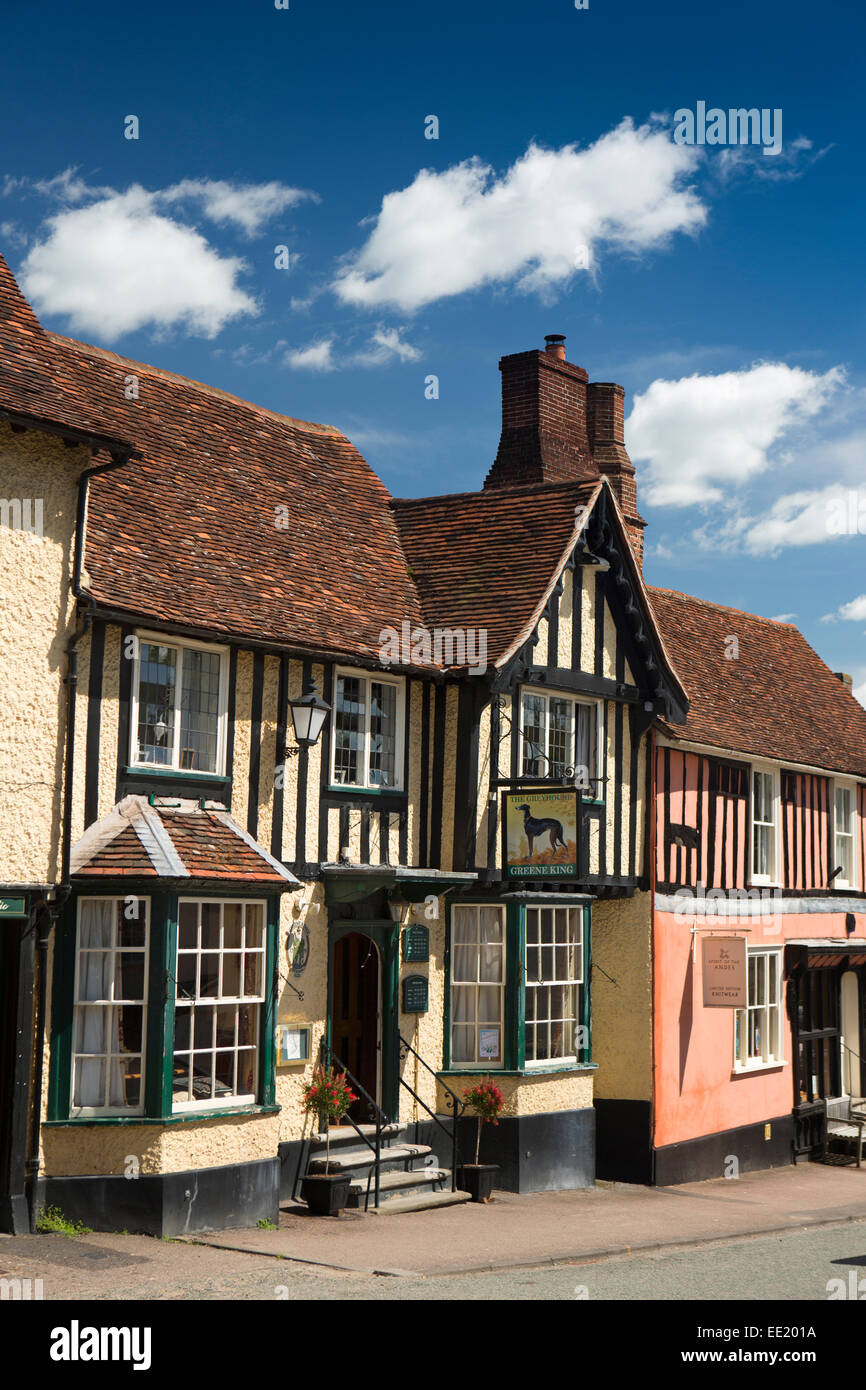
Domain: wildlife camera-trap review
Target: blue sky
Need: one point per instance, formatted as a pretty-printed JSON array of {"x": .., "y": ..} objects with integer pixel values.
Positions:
[{"x": 721, "y": 286}]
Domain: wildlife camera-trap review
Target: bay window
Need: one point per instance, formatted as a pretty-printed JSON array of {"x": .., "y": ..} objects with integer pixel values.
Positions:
[
  {"x": 109, "y": 1010},
  {"x": 178, "y": 706},
  {"x": 162, "y": 1006},
  {"x": 560, "y": 732},
  {"x": 220, "y": 984},
  {"x": 516, "y": 984},
  {"x": 367, "y": 746},
  {"x": 758, "y": 1027}
]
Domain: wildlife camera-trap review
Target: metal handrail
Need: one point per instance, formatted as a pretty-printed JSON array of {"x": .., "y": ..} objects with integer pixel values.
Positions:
[
  {"x": 326, "y": 1051},
  {"x": 458, "y": 1107}
]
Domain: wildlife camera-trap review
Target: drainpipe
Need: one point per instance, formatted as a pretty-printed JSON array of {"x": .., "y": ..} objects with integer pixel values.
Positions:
[{"x": 49, "y": 913}]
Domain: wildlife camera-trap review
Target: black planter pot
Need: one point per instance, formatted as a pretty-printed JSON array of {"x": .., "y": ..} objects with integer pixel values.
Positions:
[
  {"x": 478, "y": 1178},
  {"x": 325, "y": 1193}
]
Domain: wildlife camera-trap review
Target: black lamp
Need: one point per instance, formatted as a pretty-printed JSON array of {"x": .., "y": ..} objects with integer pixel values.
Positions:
[{"x": 309, "y": 713}]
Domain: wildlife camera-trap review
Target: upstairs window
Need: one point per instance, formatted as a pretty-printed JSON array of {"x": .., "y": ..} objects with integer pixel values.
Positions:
[
  {"x": 844, "y": 837},
  {"x": 560, "y": 732},
  {"x": 368, "y": 731},
  {"x": 764, "y": 823},
  {"x": 179, "y": 706}
]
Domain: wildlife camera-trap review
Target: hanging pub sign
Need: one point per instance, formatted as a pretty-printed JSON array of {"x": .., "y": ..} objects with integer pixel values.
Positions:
[
  {"x": 539, "y": 830},
  {"x": 724, "y": 972}
]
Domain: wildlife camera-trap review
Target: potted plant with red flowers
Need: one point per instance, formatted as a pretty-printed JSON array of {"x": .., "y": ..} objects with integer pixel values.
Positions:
[
  {"x": 328, "y": 1097},
  {"x": 485, "y": 1100}
]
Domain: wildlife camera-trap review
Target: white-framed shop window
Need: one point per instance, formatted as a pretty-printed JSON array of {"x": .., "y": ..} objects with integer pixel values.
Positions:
[
  {"x": 561, "y": 731},
  {"x": 220, "y": 992},
  {"x": 109, "y": 1027},
  {"x": 765, "y": 817},
  {"x": 178, "y": 716},
  {"x": 368, "y": 724},
  {"x": 554, "y": 974},
  {"x": 758, "y": 1033},
  {"x": 477, "y": 986},
  {"x": 844, "y": 825}
]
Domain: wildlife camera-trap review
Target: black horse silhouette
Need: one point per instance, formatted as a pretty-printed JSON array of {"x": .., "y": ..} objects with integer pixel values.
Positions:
[{"x": 534, "y": 828}]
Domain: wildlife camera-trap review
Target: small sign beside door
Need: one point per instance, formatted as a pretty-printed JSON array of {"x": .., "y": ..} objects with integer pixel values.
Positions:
[
  {"x": 12, "y": 907},
  {"x": 724, "y": 972}
]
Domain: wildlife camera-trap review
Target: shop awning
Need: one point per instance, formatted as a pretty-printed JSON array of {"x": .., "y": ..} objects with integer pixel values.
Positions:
[{"x": 825, "y": 953}]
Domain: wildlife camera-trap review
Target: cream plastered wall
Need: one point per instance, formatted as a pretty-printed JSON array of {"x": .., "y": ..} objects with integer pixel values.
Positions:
[
  {"x": 622, "y": 997},
  {"x": 36, "y": 620},
  {"x": 416, "y": 696},
  {"x": 305, "y": 908},
  {"x": 482, "y": 805},
  {"x": 424, "y": 1031},
  {"x": 133, "y": 1150},
  {"x": 532, "y": 1095}
]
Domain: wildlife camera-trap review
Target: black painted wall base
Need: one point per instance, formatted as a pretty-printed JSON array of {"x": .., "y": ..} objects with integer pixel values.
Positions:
[
  {"x": 624, "y": 1140},
  {"x": 535, "y": 1153},
  {"x": 709, "y": 1156},
  {"x": 168, "y": 1204}
]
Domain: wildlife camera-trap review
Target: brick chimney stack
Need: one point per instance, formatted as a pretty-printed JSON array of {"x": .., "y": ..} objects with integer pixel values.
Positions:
[
  {"x": 544, "y": 437},
  {"x": 559, "y": 428},
  {"x": 606, "y": 428}
]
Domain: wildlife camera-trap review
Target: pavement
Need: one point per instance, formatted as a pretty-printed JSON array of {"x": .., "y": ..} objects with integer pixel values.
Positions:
[{"x": 537, "y": 1231}]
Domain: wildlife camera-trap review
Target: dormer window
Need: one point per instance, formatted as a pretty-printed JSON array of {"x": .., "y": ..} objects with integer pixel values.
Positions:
[{"x": 179, "y": 698}]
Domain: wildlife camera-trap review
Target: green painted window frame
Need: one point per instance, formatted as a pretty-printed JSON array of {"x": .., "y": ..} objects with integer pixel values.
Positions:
[
  {"x": 161, "y": 995},
  {"x": 514, "y": 1051}
]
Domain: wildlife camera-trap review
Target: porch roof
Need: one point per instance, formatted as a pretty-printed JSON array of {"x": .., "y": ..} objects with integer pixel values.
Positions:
[{"x": 162, "y": 839}]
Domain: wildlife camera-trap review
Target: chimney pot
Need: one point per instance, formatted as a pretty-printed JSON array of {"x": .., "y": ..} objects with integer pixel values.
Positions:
[
  {"x": 846, "y": 680},
  {"x": 554, "y": 343}
]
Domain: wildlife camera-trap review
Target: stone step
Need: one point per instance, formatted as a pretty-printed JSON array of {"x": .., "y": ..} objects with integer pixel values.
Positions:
[
  {"x": 345, "y": 1134},
  {"x": 421, "y": 1203},
  {"x": 364, "y": 1158},
  {"x": 393, "y": 1186}
]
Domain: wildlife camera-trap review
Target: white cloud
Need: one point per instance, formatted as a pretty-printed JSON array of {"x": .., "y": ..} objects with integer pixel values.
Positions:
[
  {"x": 854, "y": 611},
  {"x": 702, "y": 436},
  {"x": 859, "y": 693},
  {"x": 783, "y": 618},
  {"x": 317, "y": 357},
  {"x": 118, "y": 264},
  {"x": 534, "y": 227},
  {"x": 385, "y": 344},
  {"x": 249, "y": 206}
]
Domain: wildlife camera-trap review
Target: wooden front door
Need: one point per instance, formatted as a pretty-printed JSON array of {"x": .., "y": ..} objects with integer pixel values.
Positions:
[{"x": 355, "y": 1011}]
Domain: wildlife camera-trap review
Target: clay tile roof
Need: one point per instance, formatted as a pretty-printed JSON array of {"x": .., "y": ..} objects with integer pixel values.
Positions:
[
  {"x": 188, "y": 533},
  {"x": 484, "y": 560},
  {"x": 33, "y": 380},
  {"x": 174, "y": 841},
  {"x": 776, "y": 699}
]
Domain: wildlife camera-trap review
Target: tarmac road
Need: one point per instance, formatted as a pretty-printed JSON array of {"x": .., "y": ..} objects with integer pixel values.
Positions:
[{"x": 791, "y": 1267}]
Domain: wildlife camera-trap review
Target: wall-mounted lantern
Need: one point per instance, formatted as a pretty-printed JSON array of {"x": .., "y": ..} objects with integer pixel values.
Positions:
[{"x": 309, "y": 712}]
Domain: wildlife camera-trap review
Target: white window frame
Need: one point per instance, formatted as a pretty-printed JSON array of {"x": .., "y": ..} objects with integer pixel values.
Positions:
[
  {"x": 597, "y": 786},
  {"x": 163, "y": 640},
  {"x": 480, "y": 1064},
  {"x": 217, "y": 1000},
  {"x": 851, "y": 833},
  {"x": 772, "y": 880},
  {"x": 773, "y": 956},
  {"x": 570, "y": 1059},
  {"x": 380, "y": 678},
  {"x": 83, "y": 1111}
]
